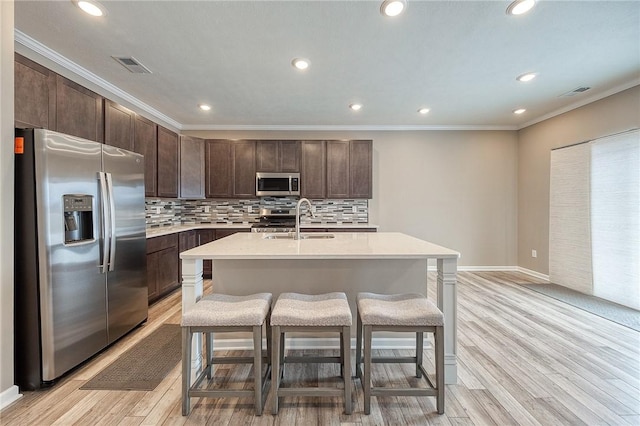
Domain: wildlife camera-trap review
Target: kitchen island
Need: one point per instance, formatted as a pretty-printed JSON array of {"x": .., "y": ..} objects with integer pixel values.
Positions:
[{"x": 384, "y": 262}]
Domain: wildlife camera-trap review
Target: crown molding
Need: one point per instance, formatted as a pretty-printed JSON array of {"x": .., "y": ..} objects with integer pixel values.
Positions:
[
  {"x": 50, "y": 54},
  {"x": 582, "y": 102},
  {"x": 365, "y": 127}
]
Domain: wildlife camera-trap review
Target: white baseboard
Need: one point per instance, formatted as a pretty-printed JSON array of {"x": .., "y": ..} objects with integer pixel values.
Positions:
[
  {"x": 533, "y": 273},
  {"x": 9, "y": 396},
  {"x": 488, "y": 268},
  {"x": 320, "y": 343}
]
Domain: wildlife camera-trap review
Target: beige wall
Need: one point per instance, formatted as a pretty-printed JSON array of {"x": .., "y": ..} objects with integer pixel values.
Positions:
[
  {"x": 455, "y": 188},
  {"x": 610, "y": 115},
  {"x": 7, "y": 391}
]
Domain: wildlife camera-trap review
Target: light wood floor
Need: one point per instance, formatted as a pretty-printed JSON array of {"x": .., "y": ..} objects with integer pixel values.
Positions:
[{"x": 524, "y": 358}]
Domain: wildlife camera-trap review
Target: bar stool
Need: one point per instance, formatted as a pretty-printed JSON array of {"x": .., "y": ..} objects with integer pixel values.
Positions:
[
  {"x": 295, "y": 312},
  {"x": 400, "y": 313},
  {"x": 221, "y": 313}
]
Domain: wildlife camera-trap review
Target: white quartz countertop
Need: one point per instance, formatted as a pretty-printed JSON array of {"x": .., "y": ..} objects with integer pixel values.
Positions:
[
  {"x": 167, "y": 230},
  {"x": 344, "y": 245}
]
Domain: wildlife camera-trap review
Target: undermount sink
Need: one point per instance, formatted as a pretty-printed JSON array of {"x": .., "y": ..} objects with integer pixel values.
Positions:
[{"x": 283, "y": 236}]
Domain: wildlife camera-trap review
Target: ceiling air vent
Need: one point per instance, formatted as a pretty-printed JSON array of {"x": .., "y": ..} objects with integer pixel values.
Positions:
[
  {"x": 132, "y": 65},
  {"x": 575, "y": 91}
]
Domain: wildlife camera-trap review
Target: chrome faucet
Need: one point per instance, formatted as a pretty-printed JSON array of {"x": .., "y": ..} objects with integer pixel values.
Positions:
[{"x": 300, "y": 201}]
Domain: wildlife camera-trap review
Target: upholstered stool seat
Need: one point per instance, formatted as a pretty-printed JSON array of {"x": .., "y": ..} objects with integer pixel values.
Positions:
[
  {"x": 220, "y": 313},
  {"x": 399, "y": 312},
  {"x": 294, "y": 312}
]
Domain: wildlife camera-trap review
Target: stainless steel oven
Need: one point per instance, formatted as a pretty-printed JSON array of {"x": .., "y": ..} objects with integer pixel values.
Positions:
[{"x": 275, "y": 220}]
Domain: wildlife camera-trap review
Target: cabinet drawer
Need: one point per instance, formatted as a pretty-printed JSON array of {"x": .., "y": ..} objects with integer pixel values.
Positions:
[{"x": 160, "y": 243}]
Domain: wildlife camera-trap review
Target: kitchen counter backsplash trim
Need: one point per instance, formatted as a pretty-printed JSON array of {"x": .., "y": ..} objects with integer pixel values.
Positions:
[{"x": 161, "y": 212}]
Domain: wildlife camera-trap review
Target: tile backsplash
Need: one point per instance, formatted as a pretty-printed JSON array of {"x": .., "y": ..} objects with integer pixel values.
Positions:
[{"x": 167, "y": 212}]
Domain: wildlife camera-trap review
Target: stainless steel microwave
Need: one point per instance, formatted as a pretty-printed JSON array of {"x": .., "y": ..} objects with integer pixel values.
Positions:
[{"x": 277, "y": 184}]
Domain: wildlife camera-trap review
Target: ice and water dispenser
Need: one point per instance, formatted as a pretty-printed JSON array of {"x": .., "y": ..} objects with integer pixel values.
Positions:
[{"x": 78, "y": 218}]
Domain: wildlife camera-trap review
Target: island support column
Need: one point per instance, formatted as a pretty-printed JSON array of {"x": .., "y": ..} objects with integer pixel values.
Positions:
[
  {"x": 447, "y": 303},
  {"x": 191, "y": 293}
]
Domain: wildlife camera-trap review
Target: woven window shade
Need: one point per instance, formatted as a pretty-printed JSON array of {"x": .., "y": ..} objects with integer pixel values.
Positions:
[
  {"x": 615, "y": 218},
  {"x": 570, "y": 218}
]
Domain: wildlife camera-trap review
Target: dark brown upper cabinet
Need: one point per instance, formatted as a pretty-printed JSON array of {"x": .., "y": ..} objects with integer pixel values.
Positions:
[
  {"x": 167, "y": 163},
  {"x": 361, "y": 169},
  {"x": 337, "y": 169},
  {"x": 230, "y": 168},
  {"x": 35, "y": 95},
  {"x": 313, "y": 169},
  {"x": 119, "y": 125},
  {"x": 277, "y": 156},
  {"x": 244, "y": 169},
  {"x": 218, "y": 169},
  {"x": 191, "y": 167},
  {"x": 145, "y": 142},
  {"x": 78, "y": 111}
]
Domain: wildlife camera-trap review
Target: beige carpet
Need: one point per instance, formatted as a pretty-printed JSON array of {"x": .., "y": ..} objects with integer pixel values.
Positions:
[{"x": 143, "y": 366}]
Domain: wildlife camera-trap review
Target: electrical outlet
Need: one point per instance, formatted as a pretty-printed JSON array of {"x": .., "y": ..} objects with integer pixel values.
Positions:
[
  {"x": 206, "y": 209},
  {"x": 250, "y": 209},
  {"x": 354, "y": 209},
  {"x": 534, "y": 253}
]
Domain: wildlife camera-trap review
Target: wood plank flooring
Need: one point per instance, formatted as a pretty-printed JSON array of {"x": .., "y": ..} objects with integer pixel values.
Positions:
[{"x": 524, "y": 359}]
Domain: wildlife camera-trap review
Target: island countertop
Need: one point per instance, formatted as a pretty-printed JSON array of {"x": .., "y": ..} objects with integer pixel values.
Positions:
[{"x": 344, "y": 245}]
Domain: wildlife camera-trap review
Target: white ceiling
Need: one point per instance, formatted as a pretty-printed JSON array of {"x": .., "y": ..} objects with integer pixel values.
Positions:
[{"x": 458, "y": 58}]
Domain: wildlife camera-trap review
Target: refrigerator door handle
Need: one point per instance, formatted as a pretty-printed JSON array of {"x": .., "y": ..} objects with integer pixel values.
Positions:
[
  {"x": 105, "y": 223},
  {"x": 112, "y": 217}
]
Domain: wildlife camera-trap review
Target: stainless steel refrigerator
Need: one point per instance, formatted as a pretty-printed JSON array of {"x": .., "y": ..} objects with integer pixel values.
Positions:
[{"x": 80, "y": 251}]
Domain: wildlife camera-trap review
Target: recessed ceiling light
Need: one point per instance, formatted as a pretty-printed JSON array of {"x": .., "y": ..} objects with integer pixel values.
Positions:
[
  {"x": 526, "y": 77},
  {"x": 301, "y": 63},
  {"x": 91, "y": 7},
  {"x": 423, "y": 110},
  {"x": 518, "y": 7},
  {"x": 519, "y": 111},
  {"x": 355, "y": 107},
  {"x": 392, "y": 7},
  {"x": 204, "y": 107}
]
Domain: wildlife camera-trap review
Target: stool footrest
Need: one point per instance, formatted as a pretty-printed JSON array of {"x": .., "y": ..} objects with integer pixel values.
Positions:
[
  {"x": 313, "y": 359},
  {"x": 394, "y": 360},
  {"x": 310, "y": 392},
  {"x": 213, "y": 393},
  {"x": 236, "y": 360},
  {"x": 377, "y": 391}
]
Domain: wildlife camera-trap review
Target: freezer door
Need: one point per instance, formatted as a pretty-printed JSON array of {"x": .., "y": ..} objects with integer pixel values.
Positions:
[
  {"x": 127, "y": 277},
  {"x": 72, "y": 289}
]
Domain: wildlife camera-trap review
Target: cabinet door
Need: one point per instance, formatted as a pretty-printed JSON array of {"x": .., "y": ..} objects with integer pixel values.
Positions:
[
  {"x": 168, "y": 269},
  {"x": 145, "y": 142},
  {"x": 167, "y": 163},
  {"x": 313, "y": 169},
  {"x": 218, "y": 168},
  {"x": 244, "y": 169},
  {"x": 277, "y": 156},
  {"x": 119, "y": 125},
  {"x": 360, "y": 169},
  {"x": 152, "y": 276},
  {"x": 267, "y": 156},
  {"x": 337, "y": 169},
  {"x": 191, "y": 167},
  {"x": 34, "y": 94},
  {"x": 78, "y": 111},
  {"x": 289, "y": 159}
]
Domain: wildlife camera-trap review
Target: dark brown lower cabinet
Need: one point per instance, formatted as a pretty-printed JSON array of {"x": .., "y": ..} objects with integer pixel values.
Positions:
[
  {"x": 162, "y": 265},
  {"x": 206, "y": 236}
]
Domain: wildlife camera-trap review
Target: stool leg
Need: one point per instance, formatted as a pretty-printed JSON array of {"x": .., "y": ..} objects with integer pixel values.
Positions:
[
  {"x": 208, "y": 338},
  {"x": 186, "y": 370},
  {"x": 257, "y": 368},
  {"x": 359, "y": 348},
  {"x": 341, "y": 355},
  {"x": 367, "y": 369},
  {"x": 439, "y": 348},
  {"x": 419, "y": 352},
  {"x": 283, "y": 337},
  {"x": 275, "y": 367},
  {"x": 346, "y": 364}
]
